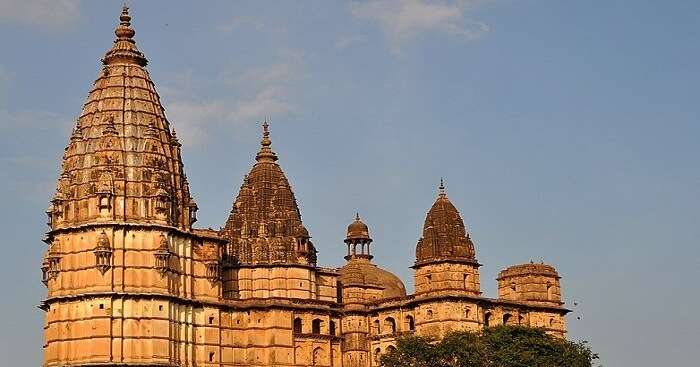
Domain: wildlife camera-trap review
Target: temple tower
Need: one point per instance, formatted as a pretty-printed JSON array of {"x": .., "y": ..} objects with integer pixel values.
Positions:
[
  {"x": 445, "y": 256},
  {"x": 446, "y": 267},
  {"x": 120, "y": 262}
]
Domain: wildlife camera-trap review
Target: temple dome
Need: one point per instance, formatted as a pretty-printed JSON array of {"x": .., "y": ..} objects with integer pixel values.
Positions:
[
  {"x": 122, "y": 162},
  {"x": 265, "y": 223},
  {"x": 444, "y": 234},
  {"x": 360, "y": 272},
  {"x": 358, "y": 230}
]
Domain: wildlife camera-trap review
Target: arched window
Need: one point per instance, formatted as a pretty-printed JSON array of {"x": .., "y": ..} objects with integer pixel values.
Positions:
[
  {"x": 391, "y": 349},
  {"x": 410, "y": 324},
  {"x": 506, "y": 319},
  {"x": 551, "y": 322},
  {"x": 390, "y": 325},
  {"x": 377, "y": 353},
  {"x": 487, "y": 319},
  {"x": 375, "y": 326},
  {"x": 466, "y": 281},
  {"x": 211, "y": 356},
  {"x": 521, "y": 319},
  {"x": 429, "y": 314},
  {"x": 331, "y": 328},
  {"x": 318, "y": 357},
  {"x": 316, "y": 326},
  {"x": 297, "y": 325},
  {"x": 466, "y": 313}
]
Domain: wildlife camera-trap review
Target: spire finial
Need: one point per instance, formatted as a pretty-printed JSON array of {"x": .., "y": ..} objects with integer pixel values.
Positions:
[
  {"x": 357, "y": 216},
  {"x": 266, "y": 154},
  {"x": 442, "y": 187},
  {"x": 124, "y": 48}
]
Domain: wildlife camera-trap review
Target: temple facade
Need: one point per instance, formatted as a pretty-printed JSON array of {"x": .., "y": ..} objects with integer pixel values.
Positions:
[{"x": 132, "y": 282}]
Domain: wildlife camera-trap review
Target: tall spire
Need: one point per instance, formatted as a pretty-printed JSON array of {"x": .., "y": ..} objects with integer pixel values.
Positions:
[
  {"x": 122, "y": 163},
  {"x": 266, "y": 154},
  {"x": 124, "y": 49}
]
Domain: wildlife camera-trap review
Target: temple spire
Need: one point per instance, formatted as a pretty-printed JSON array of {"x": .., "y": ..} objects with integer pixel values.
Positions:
[
  {"x": 266, "y": 154},
  {"x": 124, "y": 49}
]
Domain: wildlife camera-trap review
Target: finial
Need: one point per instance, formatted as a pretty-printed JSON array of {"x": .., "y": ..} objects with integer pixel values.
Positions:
[
  {"x": 266, "y": 154},
  {"x": 442, "y": 187},
  {"x": 357, "y": 216},
  {"x": 124, "y": 48}
]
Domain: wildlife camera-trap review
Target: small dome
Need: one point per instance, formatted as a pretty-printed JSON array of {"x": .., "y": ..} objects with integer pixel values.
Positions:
[
  {"x": 444, "y": 235},
  {"x": 362, "y": 273},
  {"x": 358, "y": 230}
]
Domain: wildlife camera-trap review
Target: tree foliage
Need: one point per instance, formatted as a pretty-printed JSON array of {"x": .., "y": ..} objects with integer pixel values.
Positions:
[{"x": 501, "y": 346}]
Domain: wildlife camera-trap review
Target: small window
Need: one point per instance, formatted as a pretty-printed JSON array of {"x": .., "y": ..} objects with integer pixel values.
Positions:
[
  {"x": 506, "y": 319},
  {"x": 331, "y": 328},
  {"x": 429, "y": 314},
  {"x": 410, "y": 323},
  {"x": 429, "y": 279},
  {"x": 466, "y": 313},
  {"x": 160, "y": 307},
  {"x": 211, "y": 356},
  {"x": 487, "y": 319},
  {"x": 211, "y": 320},
  {"x": 316, "y": 326},
  {"x": 297, "y": 326},
  {"x": 102, "y": 306},
  {"x": 389, "y": 325}
]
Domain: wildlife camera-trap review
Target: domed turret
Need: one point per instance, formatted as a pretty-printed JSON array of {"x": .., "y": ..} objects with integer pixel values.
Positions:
[
  {"x": 358, "y": 230},
  {"x": 530, "y": 282},
  {"x": 362, "y": 280},
  {"x": 358, "y": 235},
  {"x": 444, "y": 234},
  {"x": 445, "y": 258}
]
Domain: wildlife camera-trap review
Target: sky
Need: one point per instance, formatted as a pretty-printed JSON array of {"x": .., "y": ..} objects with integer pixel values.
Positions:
[{"x": 566, "y": 132}]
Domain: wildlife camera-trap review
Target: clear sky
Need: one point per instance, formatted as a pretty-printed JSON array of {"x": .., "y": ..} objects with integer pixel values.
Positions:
[{"x": 566, "y": 131}]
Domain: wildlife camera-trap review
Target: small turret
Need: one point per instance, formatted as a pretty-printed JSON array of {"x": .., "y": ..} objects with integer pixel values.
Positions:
[
  {"x": 530, "y": 283},
  {"x": 358, "y": 235}
]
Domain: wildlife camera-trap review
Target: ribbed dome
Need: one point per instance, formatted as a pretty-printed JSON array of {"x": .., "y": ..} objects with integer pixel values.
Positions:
[
  {"x": 361, "y": 272},
  {"x": 265, "y": 222},
  {"x": 358, "y": 230},
  {"x": 122, "y": 162},
  {"x": 444, "y": 234}
]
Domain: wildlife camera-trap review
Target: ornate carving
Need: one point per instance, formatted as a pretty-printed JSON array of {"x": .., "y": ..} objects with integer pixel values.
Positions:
[
  {"x": 103, "y": 253},
  {"x": 444, "y": 233},
  {"x": 162, "y": 255},
  {"x": 265, "y": 222}
]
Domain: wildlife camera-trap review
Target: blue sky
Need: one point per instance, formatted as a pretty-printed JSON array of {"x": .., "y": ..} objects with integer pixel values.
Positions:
[{"x": 566, "y": 132}]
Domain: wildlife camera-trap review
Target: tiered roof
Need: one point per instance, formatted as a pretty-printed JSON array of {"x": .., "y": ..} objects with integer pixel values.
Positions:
[
  {"x": 265, "y": 225},
  {"x": 122, "y": 162},
  {"x": 444, "y": 234}
]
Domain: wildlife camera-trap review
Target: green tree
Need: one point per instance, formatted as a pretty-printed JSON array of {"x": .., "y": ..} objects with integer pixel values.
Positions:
[{"x": 501, "y": 346}]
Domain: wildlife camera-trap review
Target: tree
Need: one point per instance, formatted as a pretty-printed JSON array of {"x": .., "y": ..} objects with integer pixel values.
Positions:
[{"x": 500, "y": 346}]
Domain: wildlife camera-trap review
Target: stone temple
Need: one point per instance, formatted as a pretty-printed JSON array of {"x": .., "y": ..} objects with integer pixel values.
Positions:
[{"x": 131, "y": 281}]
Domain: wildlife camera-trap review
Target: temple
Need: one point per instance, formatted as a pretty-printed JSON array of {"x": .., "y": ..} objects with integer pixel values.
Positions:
[{"x": 132, "y": 282}]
